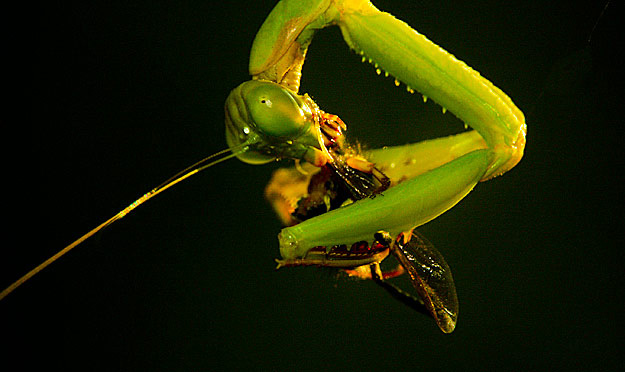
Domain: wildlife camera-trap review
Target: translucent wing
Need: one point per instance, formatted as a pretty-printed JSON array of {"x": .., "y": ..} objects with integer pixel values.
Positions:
[
  {"x": 431, "y": 277},
  {"x": 358, "y": 184}
]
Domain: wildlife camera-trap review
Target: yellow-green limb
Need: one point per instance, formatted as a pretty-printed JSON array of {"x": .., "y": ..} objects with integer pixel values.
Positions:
[
  {"x": 394, "y": 47},
  {"x": 396, "y": 210}
]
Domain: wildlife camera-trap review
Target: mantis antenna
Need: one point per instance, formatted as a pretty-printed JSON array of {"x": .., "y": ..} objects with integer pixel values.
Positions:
[{"x": 179, "y": 177}]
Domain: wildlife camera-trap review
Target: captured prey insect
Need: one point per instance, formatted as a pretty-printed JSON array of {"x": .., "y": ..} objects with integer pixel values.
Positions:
[{"x": 351, "y": 209}]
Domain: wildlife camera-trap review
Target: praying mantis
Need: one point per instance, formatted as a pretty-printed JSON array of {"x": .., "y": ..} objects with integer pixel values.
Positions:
[
  {"x": 267, "y": 119},
  {"x": 425, "y": 179}
]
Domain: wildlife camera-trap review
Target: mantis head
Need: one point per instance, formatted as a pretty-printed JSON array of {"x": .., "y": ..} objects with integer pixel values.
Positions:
[{"x": 272, "y": 122}]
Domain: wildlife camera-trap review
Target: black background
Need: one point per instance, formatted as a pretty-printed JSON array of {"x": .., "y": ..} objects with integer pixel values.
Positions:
[{"x": 122, "y": 95}]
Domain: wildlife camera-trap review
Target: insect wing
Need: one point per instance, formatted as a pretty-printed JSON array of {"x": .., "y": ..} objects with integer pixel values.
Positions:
[
  {"x": 431, "y": 277},
  {"x": 359, "y": 184}
]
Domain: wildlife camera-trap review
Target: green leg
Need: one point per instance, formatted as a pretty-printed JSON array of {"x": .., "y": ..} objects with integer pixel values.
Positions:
[
  {"x": 399, "y": 209},
  {"x": 393, "y": 46}
]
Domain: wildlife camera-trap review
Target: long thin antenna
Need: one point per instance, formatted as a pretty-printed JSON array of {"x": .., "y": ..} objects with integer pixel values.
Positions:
[{"x": 179, "y": 177}]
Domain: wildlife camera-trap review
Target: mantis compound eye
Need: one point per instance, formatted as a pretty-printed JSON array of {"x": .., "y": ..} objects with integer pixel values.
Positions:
[{"x": 276, "y": 112}]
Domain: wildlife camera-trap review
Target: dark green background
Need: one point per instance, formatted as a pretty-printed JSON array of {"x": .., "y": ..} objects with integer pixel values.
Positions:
[{"x": 125, "y": 94}]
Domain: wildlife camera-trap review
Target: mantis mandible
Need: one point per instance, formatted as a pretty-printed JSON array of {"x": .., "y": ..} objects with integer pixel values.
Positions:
[{"x": 345, "y": 208}]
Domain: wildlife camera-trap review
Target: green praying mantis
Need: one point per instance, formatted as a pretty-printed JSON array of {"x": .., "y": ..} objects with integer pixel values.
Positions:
[{"x": 347, "y": 208}]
